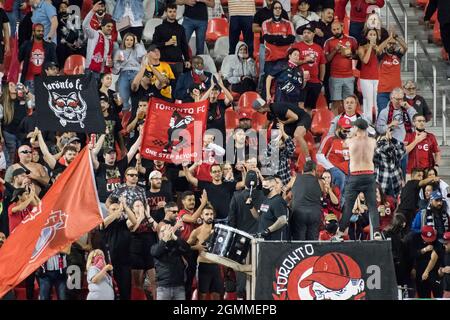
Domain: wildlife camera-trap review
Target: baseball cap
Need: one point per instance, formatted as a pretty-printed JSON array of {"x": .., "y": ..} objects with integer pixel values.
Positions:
[
  {"x": 428, "y": 233},
  {"x": 72, "y": 140},
  {"x": 18, "y": 172},
  {"x": 309, "y": 166},
  {"x": 436, "y": 195},
  {"x": 258, "y": 103},
  {"x": 333, "y": 270},
  {"x": 330, "y": 217},
  {"x": 244, "y": 115},
  {"x": 309, "y": 27},
  {"x": 152, "y": 47},
  {"x": 50, "y": 64},
  {"x": 361, "y": 124},
  {"x": 447, "y": 236},
  {"x": 154, "y": 173},
  {"x": 344, "y": 123}
]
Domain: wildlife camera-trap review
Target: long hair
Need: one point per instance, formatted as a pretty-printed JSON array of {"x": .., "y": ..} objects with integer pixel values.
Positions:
[
  {"x": 128, "y": 34},
  {"x": 91, "y": 256},
  {"x": 8, "y": 105},
  {"x": 396, "y": 226}
]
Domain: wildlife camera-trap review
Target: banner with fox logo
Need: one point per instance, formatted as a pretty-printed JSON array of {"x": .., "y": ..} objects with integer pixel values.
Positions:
[
  {"x": 68, "y": 103},
  {"x": 325, "y": 271},
  {"x": 68, "y": 210},
  {"x": 173, "y": 132}
]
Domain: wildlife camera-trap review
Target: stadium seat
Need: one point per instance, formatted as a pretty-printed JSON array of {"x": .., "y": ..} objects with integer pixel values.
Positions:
[
  {"x": 217, "y": 27},
  {"x": 209, "y": 64},
  {"x": 422, "y": 3},
  {"x": 221, "y": 48},
  {"x": 259, "y": 3},
  {"x": 149, "y": 28},
  {"x": 256, "y": 43},
  {"x": 259, "y": 120},
  {"x": 321, "y": 121},
  {"x": 444, "y": 54},
  {"x": 321, "y": 102},
  {"x": 437, "y": 39},
  {"x": 74, "y": 64},
  {"x": 247, "y": 98}
]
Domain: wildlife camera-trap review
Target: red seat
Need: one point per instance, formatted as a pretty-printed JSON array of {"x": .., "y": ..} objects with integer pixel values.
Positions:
[
  {"x": 437, "y": 39},
  {"x": 256, "y": 43},
  {"x": 217, "y": 27},
  {"x": 422, "y": 3},
  {"x": 259, "y": 120},
  {"x": 444, "y": 54},
  {"x": 321, "y": 121},
  {"x": 321, "y": 102},
  {"x": 259, "y": 3},
  {"x": 294, "y": 7},
  {"x": 74, "y": 64},
  {"x": 247, "y": 98}
]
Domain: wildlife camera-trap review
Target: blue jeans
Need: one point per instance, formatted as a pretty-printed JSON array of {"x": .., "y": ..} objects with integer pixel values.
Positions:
[
  {"x": 262, "y": 56},
  {"x": 339, "y": 179},
  {"x": 170, "y": 293},
  {"x": 124, "y": 86},
  {"x": 356, "y": 30},
  {"x": 49, "y": 279},
  {"x": 12, "y": 144},
  {"x": 199, "y": 26},
  {"x": 382, "y": 100},
  {"x": 238, "y": 24}
]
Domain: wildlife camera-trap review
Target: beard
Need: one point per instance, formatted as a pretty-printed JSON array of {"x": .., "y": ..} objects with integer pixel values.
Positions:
[{"x": 209, "y": 221}]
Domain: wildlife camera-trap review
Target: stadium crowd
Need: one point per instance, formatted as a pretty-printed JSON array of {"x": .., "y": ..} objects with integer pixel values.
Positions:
[{"x": 311, "y": 77}]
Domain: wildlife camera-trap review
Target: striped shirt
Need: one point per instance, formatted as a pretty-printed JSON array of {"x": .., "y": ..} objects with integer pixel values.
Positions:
[{"x": 241, "y": 7}]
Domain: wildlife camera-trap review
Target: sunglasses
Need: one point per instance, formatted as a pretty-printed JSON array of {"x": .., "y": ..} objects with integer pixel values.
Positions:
[
  {"x": 133, "y": 175},
  {"x": 410, "y": 88},
  {"x": 26, "y": 152}
]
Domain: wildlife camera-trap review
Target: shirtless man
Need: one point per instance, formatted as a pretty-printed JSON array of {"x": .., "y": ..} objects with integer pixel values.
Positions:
[
  {"x": 35, "y": 171},
  {"x": 209, "y": 279},
  {"x": 362, "y": 178}
]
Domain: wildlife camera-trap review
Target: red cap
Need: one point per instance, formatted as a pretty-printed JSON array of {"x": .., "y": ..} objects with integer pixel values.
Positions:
[
  {"x": 447, "y": 236},
  {"x": 244, "y": 115},
  {"x": 428, "y": 234},
  {"x": 333, "y": 270},
  {"x": 344, "y": 123}
]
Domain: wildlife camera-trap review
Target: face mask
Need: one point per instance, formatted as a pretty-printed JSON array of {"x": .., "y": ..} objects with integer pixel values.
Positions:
[
  {"x": 420, "y": 130},
  {"x": 198, "y": 71},
  {"x": 99, "y": 261},
  {"x": 277, "y": 18},
  {"x": 410, "y": 97},
  {"x": 331, "y": 227},
  {"x": 338, "y": 35},
  {"x": 342, "y": 135},
  {"x": 266, "y": 191},
  {"x": 390, "y": 50}
]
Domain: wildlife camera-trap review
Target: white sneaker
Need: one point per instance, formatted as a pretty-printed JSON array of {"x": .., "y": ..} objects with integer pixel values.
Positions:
[
  {"x": 337, "y": 238},
  {"x": 377, "y": 236}
]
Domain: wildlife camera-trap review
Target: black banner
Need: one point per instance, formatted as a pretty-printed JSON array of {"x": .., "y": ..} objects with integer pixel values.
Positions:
[
  {"x": 325, "y": 271},
  {"x": 68, "y": 103}
]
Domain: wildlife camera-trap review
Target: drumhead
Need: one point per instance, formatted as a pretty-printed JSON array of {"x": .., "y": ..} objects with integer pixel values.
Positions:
[{"x": 242, "y": 233}]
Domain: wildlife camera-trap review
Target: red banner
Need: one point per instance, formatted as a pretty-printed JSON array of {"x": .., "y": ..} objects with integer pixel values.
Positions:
[
  {"x": 174, "y": 132},
  {"x": 68, "y": 210}
]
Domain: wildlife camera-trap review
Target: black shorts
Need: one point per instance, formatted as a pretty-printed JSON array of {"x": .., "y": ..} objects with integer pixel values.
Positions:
[
  {"x": 209, "y": 279},
  {"x": 304, "y": 121},
  {"x": 312, "y": 94},
  {"x": 141, "y": 258}
]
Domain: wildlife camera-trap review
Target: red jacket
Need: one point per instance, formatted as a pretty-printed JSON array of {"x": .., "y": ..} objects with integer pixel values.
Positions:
[
  {"x": 358, "y": 11},
  {"x": 278, "y": 37}
]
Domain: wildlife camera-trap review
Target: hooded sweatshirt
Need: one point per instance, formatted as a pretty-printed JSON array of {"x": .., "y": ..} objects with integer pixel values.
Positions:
[{"x": 234, "y": 67}]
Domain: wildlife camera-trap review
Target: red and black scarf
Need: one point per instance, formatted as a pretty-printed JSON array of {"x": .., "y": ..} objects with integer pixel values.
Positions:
[{"x": 406, "y": 120}]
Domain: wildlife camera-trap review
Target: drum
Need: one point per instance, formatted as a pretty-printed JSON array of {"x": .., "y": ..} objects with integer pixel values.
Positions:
[{"x": 230, "y": 243}]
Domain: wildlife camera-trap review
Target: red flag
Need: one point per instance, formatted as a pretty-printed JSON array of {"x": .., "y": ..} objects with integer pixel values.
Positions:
[
  {"x": 68, "y": 210},
  {"x": 173, "y": 132}
]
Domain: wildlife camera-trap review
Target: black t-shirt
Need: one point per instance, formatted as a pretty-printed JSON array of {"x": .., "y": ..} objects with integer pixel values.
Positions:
[
  {"x": 280, "y": 109},
  {"x": 153, "y": 198},
  {"x": 266, "y": 14},
  {"x": 108, "y": 178},
  {"x": 20, "y": 112},
  {"x": 216, "y": 116},
  {"x": 446, "y": 263},
  {"x": 409, "y": 197},
  {"x": 415, "y": 243},
  {"x": 306, "y": 192},
  {"x": 198, "y": 12},
  {"x": 118, "y": 238},
  {"x": 219, "y": 196},
  {"x": 270, "y": 210},
  {"x": 3, "y": 19}
]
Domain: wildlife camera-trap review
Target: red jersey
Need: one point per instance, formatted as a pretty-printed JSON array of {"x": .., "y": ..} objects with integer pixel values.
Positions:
[
  {"x": 389, "y": 70},
  {"x": 325, "y": 236},
  {"x": 282, "y": 28},
  {"x": 187, "y": 227},
  {"x": 37, "y": 57},
  {"x": 319, "y": 58},
  {"x": 341, "y": 67},
  {"x": 422, "y": 155},
  {"x": 16, "y": 218},
  {"x": 334, "y": 151},
  {"x": 369, "y": 71}
]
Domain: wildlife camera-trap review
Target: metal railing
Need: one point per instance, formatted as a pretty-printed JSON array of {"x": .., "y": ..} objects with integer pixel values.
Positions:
[
  {"x": 445, "y": 95},
  {"x": 433, "y": 83},
  {"x": 404, "y": 29}
]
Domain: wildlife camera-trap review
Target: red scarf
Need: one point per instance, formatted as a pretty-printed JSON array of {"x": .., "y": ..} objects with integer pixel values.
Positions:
[
  {"x": 98, "y": 54},
  {"x": 196, "y": 78},
  {"x": 406, "y": 120}
]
